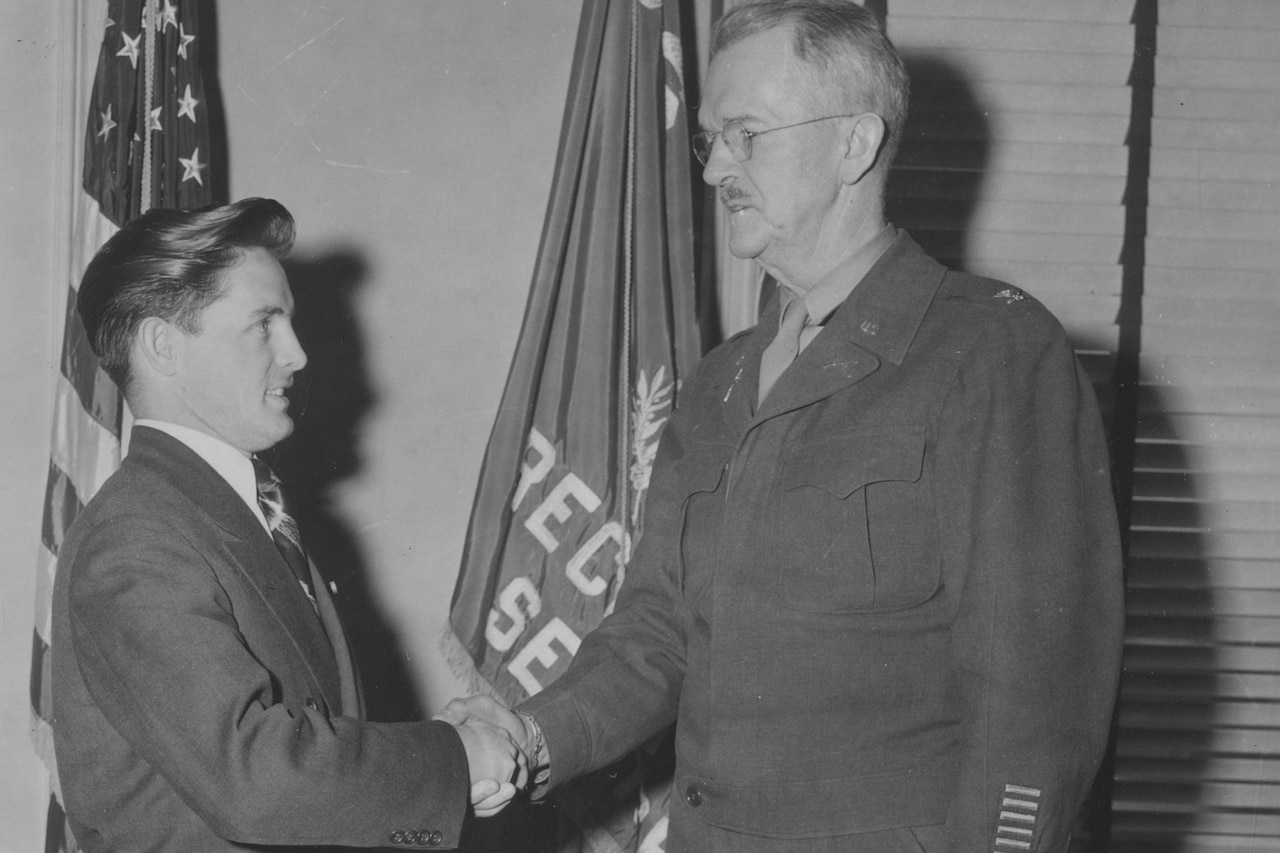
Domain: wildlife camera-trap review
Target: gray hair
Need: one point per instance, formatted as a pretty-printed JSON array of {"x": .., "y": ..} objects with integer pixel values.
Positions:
[{"x": 855, "y": 66}]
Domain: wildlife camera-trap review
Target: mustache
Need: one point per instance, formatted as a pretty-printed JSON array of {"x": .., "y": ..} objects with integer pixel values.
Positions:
[{"x": 730, "y": 193}]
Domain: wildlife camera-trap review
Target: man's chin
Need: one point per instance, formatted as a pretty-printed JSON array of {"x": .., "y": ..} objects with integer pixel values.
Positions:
[
  {"x": 746, "y": 238},
  {"x": 745, "y": 249},
  {"x": 284, "y": 430},
  {"x": 278, "y": 432}
]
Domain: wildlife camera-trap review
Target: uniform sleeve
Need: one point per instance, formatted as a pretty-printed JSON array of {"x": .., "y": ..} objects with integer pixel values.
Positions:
[
  {"x": 1032, "y": 545},
  {"x": 161, "y": 654},
  {"x": 624, "y": 683}
]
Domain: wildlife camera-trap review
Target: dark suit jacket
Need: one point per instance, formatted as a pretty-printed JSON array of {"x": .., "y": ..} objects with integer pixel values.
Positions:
[
  {"x": 886, "y": 608},
  {"x": 200, "y": 703}
]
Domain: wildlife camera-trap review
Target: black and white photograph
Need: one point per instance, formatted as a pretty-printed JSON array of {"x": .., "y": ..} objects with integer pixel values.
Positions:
[{"x": 640, "y": 426}]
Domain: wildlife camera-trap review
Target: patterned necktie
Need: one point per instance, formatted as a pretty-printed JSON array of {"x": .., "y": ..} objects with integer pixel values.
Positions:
[
  {"x": 284, "y": 530},
  {"x": 782, "y": 351}
]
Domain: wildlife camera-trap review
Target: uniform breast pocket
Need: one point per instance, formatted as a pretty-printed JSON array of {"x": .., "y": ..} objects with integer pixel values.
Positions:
[{"x": 855, "y": 523}]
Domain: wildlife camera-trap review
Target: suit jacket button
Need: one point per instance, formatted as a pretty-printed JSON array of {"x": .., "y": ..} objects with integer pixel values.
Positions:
[
  {"x": 397, "y": 837},
  {"x": 693, "y": 796},
  {"x": 311, "y": 704},
  {"x": 435, "y": 839}
]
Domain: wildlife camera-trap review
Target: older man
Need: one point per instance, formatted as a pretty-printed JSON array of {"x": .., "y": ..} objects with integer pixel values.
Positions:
[
  {"x": 203, "y": 694},
  {"x": 879, "y": 588}
]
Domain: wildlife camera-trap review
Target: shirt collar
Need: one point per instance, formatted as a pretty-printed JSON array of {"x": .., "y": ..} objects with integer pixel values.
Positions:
[{"x": 231, "y": 464}]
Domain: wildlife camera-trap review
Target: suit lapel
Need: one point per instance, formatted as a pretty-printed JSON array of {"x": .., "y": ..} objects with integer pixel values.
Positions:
[
  {"x": 254, "y": 554},
  {"x": 264, "y": 568}
]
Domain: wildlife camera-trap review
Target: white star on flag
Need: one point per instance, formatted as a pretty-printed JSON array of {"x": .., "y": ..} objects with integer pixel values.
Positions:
[
  {"x": 153, "y": 123},
  {"x": 183, "y": 41},
  {"x": 192, "y": 167},
  {"x": 130, "y": 48},
  {"x": 107, "y": 123},
  {"x": 187, "y": 105},
  {"x": 168, "y": 17}
]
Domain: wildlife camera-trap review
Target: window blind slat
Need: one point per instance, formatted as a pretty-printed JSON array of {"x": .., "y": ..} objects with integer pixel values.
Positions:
[
  {"x": 1012, "y": 33},
  {"x": 1194, "y": 40},
  {"x": 1218, "y": 72},
  {"x": 1078, "y": 10}
]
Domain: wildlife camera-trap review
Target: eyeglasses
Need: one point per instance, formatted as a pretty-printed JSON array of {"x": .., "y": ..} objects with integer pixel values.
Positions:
[{"x": 738, "y": 139}]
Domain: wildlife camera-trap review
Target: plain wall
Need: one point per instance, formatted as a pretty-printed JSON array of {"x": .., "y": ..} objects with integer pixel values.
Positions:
[
  {"x": 30, "y": 269},
  {"x": 414, "y": 140}
]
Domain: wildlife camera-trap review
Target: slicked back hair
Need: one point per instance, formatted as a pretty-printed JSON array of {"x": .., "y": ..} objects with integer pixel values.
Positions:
[
  {"x": 171, "y": 264},
  {"x": 855, "y": 67}
]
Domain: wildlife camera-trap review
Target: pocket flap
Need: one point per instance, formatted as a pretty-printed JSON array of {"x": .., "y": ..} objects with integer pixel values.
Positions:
[{"x": 841, "y": 463}]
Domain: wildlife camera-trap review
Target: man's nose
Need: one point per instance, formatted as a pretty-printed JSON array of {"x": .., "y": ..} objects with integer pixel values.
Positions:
[
  {"x": 720, "y": 163},
  {"x": 291, "y": 354}
]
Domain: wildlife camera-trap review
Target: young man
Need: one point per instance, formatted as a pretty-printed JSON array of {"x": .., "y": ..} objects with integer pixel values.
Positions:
[{"x": 203, "y": 694}]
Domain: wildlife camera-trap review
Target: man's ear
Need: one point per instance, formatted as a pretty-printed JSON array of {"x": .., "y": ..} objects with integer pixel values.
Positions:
[
  {"x": 156, "y": 343},
  {"x": 865, "y": 141}
]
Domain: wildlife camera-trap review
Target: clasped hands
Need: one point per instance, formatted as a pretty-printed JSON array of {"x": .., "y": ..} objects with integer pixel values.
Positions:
[{"x": 499, "y": 745}]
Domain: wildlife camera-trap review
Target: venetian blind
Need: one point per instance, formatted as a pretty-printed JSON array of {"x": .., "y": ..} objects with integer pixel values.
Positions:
[{"x": 1198, "y": 754}]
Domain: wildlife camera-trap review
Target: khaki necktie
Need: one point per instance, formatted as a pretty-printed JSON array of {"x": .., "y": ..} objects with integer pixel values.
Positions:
[
  {"x": 782, "y": 351},
  {"x": 284, "y": 530}
]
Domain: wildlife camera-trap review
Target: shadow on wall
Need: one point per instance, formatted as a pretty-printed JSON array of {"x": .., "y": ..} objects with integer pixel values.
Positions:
[
  {"x": 938, "y": 174},
  {"x": 329, "y": 401}
]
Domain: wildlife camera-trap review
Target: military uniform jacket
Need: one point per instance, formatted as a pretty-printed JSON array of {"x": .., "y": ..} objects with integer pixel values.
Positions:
[
  {"x": 201, "y": 704},
  {"x": 890, "y": 598}
]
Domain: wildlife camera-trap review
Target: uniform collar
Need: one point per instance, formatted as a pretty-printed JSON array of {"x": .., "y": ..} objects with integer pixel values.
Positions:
[{"x": 885, "y": 308}]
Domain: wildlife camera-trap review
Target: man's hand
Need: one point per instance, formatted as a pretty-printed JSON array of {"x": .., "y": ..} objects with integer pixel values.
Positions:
[
  {"x": 497, "y": 765},
  {"x": 489, "y": 710}
]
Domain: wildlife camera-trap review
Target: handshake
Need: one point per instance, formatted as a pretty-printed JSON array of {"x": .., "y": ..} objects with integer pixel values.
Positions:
[{"x": 502, "y": 750}]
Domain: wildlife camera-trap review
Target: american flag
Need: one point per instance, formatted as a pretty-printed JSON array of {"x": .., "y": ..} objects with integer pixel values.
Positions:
[{"x": 146, "y": 144}]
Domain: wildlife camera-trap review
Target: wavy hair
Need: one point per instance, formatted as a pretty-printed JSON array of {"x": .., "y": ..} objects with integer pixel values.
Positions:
[{"x": 170, "y": 264}]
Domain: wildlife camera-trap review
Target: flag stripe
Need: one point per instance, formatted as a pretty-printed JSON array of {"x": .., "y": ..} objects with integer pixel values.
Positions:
[
  {"x": 40, "y": 675},
  {"x": 46, "y": 565},
  {"x": 42, "y": 740},
  {"x": 97, "y": 393},
  {"x": 61, "y": 507},
  {"x": 86, "y": 453}
]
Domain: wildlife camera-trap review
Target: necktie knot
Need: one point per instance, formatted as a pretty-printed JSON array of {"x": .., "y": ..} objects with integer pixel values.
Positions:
[
  {"x": 284, "y": 530},
  {"x": 271, "y": 501}
]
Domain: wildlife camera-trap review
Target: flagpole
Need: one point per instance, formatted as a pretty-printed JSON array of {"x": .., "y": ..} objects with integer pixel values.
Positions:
[{"x": 149, "y": 98}]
